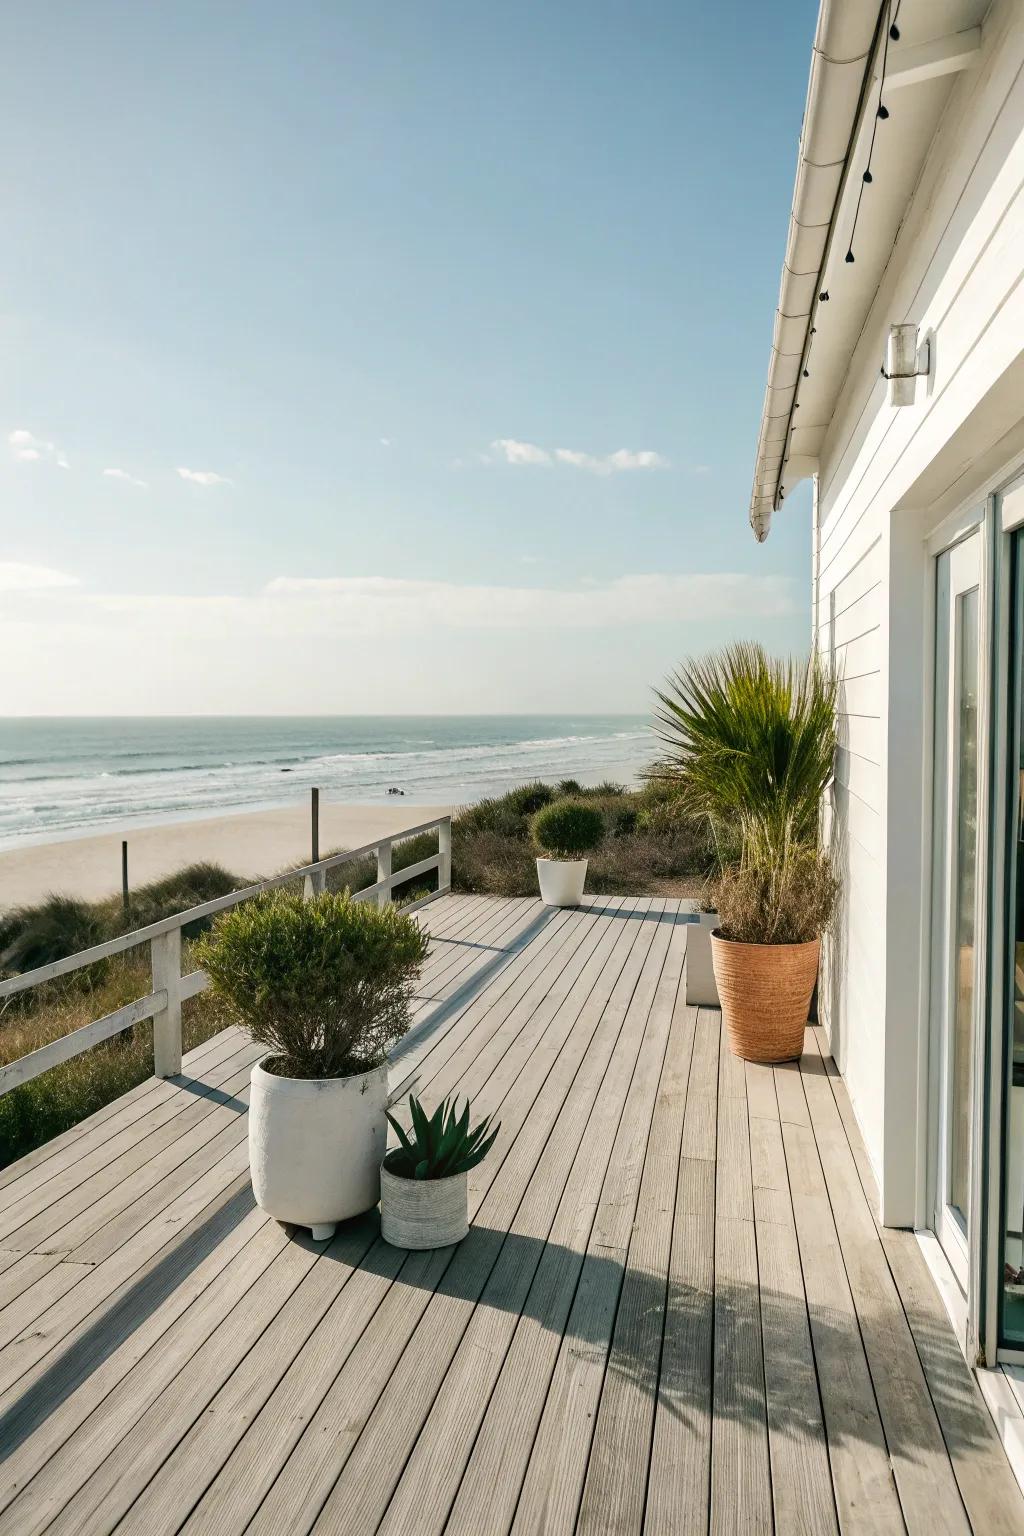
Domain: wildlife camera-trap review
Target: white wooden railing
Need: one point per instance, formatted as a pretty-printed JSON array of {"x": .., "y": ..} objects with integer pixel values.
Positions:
[{"x": 170, "y": 988}]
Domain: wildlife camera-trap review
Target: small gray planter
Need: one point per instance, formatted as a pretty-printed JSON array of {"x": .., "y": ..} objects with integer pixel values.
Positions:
[{"x": 423, "y": 1213}]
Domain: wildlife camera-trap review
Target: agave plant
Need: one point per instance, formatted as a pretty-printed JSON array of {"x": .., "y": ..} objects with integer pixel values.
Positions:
[
  {"x": 439, "y": 1146},
  {"x": 750, "y": 742}
]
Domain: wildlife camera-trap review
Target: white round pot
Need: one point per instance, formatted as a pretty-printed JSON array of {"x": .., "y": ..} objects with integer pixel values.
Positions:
[
  {"x": 561, "y": 881},
  {"x": 423, "y": 1213},
  {"x": 315, "y": 1146}
]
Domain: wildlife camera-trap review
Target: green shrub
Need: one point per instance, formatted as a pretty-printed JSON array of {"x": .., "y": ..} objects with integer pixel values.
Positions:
[
  {"x": 52, "y": 930},
  {"x": 441, "y": 1146},
  {"x": 492, "y": 815},
  {"x": 325, "y": 985},
  {"x": 619, "y": 813},
  {"x": 606, "y": 788},
  {"x": 488, "y": 862},
  {"x": 527, "y": 799},
  {"x": 192, "y": 886},
  {"x": 568, "y": 828},
  {"x": 570, "y": 787}
]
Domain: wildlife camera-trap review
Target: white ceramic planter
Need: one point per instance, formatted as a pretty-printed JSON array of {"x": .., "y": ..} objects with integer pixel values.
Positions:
[
  {"x": 315, "y": 1146},
  {"x": 701, "y": 986},
  {"x": 423, "y": 1213},
  {"x": 561, "y": 881}
]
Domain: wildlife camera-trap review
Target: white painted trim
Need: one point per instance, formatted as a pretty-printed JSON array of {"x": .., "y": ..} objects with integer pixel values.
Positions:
[
  {"x": 947, "y": 1285},
  {"x": 1007, "y": 1416},
  {"x": 141, "y": 936},
  {"x": 911, "y": 63},
  {"x": 1011, "y": 506},
  {"x": 958, "y": 526},
  {"x": 25, "y": 1068}
]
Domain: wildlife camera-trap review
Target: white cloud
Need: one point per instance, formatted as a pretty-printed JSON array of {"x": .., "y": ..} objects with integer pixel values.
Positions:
[
  {"x": 385, "y": 442},
  {"x": 560, "y": 647},
  {"x": 702, "y": 469},
  {"x": 16, "y": 577},
  {"x": 376, "y": 604},
  {"x": 514, "y": 452},
  {"x": 125, "y": 478},
  {"x": 204, "y": 477},
  {"x": 612, "y": 463},
  {"x": 29, "y": 449}
]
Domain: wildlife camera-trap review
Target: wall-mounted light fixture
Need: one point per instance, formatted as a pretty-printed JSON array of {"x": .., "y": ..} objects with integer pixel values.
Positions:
[{"x": 905, "y": 362}]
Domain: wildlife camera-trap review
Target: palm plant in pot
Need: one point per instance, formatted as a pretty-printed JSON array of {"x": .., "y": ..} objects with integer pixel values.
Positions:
[
  {"x": 326, "y": 986},
  {"x": 424, "y": 1181},
  {"x": 750, "y": 742},
  {"x": 566, "y": 831}
]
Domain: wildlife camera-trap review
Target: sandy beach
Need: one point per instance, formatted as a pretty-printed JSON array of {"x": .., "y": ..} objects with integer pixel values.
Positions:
[{"x": 254, "y": 843}]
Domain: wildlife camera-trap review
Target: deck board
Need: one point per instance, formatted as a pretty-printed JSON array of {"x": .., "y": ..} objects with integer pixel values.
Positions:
[{"x": 676, "y": 1309}]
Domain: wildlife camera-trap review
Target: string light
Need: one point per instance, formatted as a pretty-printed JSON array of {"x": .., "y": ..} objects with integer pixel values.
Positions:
[
  {"x": 867, "y": 178},
  {"x": 881, "y": 116}
]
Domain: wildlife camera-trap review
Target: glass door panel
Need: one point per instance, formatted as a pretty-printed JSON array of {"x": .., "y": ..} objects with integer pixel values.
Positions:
[{"x": 958, "y": 673}]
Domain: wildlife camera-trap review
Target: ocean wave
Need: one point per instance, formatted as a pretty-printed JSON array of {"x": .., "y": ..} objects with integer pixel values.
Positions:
[{"x": 99, "y": 783}]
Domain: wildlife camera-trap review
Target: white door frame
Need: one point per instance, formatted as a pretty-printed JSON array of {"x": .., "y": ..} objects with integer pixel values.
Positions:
[
  {"x": 971, "y": 523},
  {"x": 962, "y": 567}
]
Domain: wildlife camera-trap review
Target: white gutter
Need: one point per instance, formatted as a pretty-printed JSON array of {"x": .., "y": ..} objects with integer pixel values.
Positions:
[{"x": 845, "y": 40}]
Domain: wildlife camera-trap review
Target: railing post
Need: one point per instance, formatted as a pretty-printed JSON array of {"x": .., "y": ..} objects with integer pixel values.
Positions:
[
  {"x": 314, "y": 884},
  {"x": 384, "y": 870},
  {"x": 165, "y": 960},
  {"x": 444, "y": 849}
]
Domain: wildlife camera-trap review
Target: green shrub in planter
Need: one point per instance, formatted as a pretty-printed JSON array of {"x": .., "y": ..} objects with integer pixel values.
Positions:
[
  {"x": 568, "y": 829},
  {"x": 325, "y": 985}
]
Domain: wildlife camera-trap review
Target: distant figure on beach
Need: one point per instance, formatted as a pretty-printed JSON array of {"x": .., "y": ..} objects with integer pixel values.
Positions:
[{"x": 395, "y": 791}]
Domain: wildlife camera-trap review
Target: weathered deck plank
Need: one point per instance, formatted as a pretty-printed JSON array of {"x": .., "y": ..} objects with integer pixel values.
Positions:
[{"x": 676, "y": 1309}]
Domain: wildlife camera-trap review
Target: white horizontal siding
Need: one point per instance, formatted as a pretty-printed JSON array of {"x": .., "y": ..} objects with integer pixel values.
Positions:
[{"x": 956, "y": 272}]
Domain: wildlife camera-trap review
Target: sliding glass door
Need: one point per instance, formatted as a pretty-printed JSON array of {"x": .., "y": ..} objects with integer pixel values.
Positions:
[{"x": 1012, "y": 1310}]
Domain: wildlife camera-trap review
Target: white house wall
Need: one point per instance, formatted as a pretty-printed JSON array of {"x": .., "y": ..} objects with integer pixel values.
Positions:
[{"x": 887, "y": 478}]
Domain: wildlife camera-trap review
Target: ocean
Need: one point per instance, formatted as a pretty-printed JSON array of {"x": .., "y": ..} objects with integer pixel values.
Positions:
[{"x": 60, "y": 777}]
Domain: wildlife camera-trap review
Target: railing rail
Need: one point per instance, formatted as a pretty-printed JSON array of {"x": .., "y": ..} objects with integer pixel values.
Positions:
[{"x": 170, "y": 988}]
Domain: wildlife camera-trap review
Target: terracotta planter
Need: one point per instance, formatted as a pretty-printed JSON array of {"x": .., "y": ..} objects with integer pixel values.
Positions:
[{"x": 765, "y": 992}]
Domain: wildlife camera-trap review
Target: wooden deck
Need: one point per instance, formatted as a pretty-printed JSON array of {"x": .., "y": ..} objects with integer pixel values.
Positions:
[{"x": 674, "y": 1311}]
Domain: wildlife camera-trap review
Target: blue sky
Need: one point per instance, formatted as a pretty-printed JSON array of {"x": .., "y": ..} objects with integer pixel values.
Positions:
[{"x": 396, "y": 357}]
